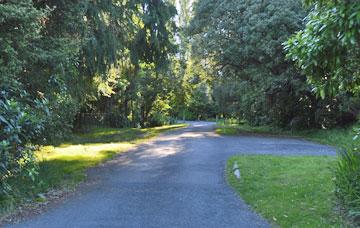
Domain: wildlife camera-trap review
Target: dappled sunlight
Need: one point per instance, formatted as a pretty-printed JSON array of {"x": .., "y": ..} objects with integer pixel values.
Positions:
[
  {"x": 198, "y": 135},
  {"x": 162, "y": 151},
  {"x": 106, "y": 132},
  {"x": 63, "y": 165},
  {"x": 166, "y": 127},
  {"x": 100, "y": 143},
  {"x": 162, "y": 148},
  {"x": 88, "y": 150},
  {"x": 170, "y": 145}
]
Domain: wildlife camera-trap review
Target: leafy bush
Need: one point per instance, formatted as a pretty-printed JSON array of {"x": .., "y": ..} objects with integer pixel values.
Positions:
[
  {"x": 59, "y": 123},
  {"x": 159, "y": 114},
  {"x": 347, "y": 179},
  {"x": 328, "y": 48},
  {"x": 347, "y": 182},
  {"x": 19, "y": 125}
]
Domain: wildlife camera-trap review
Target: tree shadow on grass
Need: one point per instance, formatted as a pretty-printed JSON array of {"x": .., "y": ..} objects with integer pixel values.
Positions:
[
  {"x": 69, "y": 170},
  {"x": 59, "y": 173},
  {"x": 104, "y": 135},
  {"x": 115, "y": 135}
]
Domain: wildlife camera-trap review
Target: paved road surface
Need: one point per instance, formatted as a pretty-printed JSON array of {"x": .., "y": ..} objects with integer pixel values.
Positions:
[{"x": 177, "y": 180}]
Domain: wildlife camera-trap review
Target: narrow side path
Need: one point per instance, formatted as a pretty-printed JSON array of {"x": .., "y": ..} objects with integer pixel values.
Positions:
[{"x": 177, "y": 180}]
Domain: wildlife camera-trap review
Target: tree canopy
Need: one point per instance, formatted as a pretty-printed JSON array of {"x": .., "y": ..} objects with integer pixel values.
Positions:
[
  {"x": 61, "y": 58},
  {"x": 327, "y": 49}
]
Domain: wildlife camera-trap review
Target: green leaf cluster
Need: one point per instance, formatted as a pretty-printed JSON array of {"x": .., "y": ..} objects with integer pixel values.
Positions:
[{"x": 327, "y": 49}]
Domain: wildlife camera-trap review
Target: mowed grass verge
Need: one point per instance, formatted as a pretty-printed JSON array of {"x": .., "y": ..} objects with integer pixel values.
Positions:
[
  {"x": 64, "y": 165},
  {"x": 290, "y": 191}
]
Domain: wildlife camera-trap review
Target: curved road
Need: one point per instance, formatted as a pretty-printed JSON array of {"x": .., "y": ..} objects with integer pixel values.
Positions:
[{"x": 176, "y": 180}]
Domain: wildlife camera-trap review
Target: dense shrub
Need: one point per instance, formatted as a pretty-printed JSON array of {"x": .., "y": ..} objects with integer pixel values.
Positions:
[
  {"x": 347, "y": 179},
  {"x": 20, "y": 124},
  {"x": 347, "y": 182},
  {"x": 116, "y": 119},
  {"x": 59, "y": 123},
  {"x": 291, "y": 104},
  {"x": 21, "y": 115},
  {"x": 159, "y": 114}
]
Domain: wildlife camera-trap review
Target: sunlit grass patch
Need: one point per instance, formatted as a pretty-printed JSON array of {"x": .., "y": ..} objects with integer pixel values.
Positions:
[
  {"x": 61, "y": 166},
  {"x": 291, "y": 191},
  {"x": 81, "y": 150},
  {"x": 70, "y": 159}
]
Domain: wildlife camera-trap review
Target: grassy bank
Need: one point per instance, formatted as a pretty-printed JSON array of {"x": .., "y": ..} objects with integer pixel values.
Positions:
[
  {"x": 339, "y": 137},
  {"x": 63, "y": 166},
  {"x": 288, "y": 191}
]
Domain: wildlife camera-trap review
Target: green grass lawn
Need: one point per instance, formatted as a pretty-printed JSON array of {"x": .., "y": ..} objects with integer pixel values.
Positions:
[
  {"x": 290, "y": 191},
  {"x": 63, "y": 166}
]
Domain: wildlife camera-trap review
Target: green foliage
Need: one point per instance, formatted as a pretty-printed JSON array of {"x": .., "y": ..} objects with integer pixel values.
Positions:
[
  {"x": 327, "y": 49},
  {"x": 242, "y": 42},
  {"x": 19, "y": 126},
  {"x": 201, "y": 102},
  {"x": 21, "y": 116},
  {"x": 347, "y": 182},
  {"x": 59, "y": 58},
  {"x": 239, "y": 46},
  {"x": 142, "y": 73},
  {"x": 112, "y": 62},
  {"x": 152, "y": 43}
]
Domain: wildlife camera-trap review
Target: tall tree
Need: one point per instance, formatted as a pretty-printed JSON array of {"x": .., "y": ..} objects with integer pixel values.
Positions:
[{"x": 242, "y": 41}]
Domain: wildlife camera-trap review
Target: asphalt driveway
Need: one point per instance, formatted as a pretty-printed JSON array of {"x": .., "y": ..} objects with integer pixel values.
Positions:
[{"x": 176, "y": 180}]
